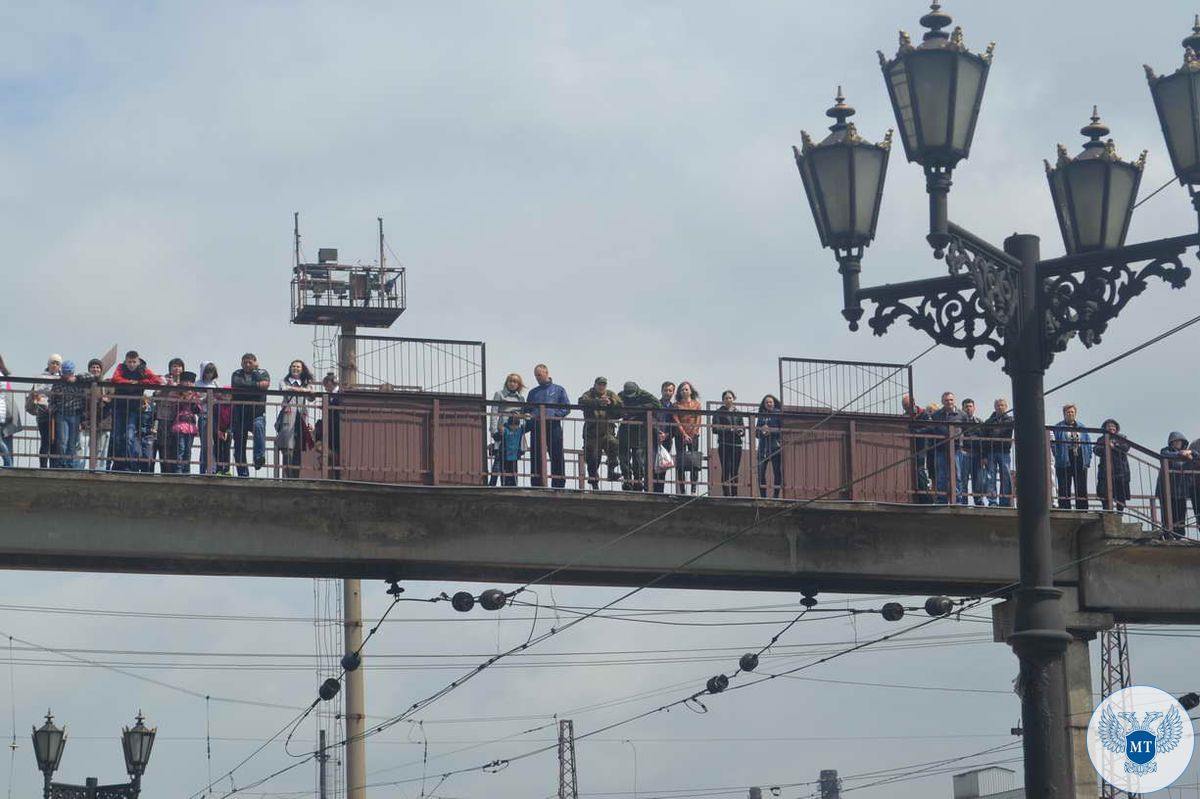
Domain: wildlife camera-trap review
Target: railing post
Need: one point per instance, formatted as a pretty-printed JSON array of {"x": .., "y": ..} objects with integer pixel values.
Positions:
[
  {"x": 753, "y": 422},
  {"x": 326, "y": 453},
  {"x": 1168, "y": 503},
  {"x": 951, "y": 467},
  {"x": 433, "y": 441},
  {"x": 93, "y": 424},
  {"x": 851, "y": 441},
  {"x": 543, "y": 449},
  {"x": 651, "y": 454},
  {"x": 1108, "y": 472}
]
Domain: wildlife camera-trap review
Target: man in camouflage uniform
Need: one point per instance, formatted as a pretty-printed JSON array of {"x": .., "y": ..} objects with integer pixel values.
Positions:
[
  {"x": 635, "y": 401},
  {"x": 600, "y": 408}
]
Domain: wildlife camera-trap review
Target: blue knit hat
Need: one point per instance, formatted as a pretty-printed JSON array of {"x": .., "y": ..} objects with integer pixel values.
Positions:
[{"x": 68, "y": 367}]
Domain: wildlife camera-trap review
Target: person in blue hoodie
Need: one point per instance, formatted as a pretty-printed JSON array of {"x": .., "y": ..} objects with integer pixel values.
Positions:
[
  {"x": 510, "y": 448},
  {"x": 1072, "y": 449},
  {"x": 547, "y": 392},
  {"x": 1178, "y": 459}
]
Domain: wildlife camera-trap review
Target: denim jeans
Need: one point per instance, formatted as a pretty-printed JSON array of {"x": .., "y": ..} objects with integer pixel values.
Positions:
[
  {"x": 126, "y": 438},
  {"x": 999, "y": 465},
  {"x": 245, "y": 418},
  {"x": 554, "y": 448},
  {"x": 942, "y": 474},
  {"x": 5, "y": 454},
  {"x": 183, "y": 453},
  {"x": 66, "y": 440}
]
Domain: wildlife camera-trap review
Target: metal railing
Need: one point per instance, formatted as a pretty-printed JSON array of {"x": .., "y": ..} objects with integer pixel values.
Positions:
[
  {"x": 444, "y": 439},
  {"x": 331, "y": 293},
  {"x": 430, "y": 365}
]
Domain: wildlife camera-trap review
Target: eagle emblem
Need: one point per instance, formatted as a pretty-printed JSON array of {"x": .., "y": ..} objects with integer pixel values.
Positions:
[{"x": 1122, "y": 734}]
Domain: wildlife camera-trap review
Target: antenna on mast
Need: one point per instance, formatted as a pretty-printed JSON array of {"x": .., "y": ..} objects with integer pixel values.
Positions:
[
  {"x": 296, "y": 234},
  {"x": 382, "y": 264}
]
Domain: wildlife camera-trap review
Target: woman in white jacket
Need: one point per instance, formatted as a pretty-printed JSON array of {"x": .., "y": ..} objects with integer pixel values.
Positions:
[
  {"x": 291, "y": 426},
  {"x": 511, "y": 400}
]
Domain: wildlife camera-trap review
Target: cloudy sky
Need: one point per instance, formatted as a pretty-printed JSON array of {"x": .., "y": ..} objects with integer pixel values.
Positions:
[{"x": 606, "y": 187}]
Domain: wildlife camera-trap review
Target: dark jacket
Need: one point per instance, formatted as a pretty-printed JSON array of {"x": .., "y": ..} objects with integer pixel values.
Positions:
[
  {"x": 730, "y": 427},
  {"x": 1119, "y": 456},
  {"x": 634, "y": 405},
  {"x": 246, "y": 390},
  {"x": 1177, "y": 466},
  {"x": 973, "y": 434},
  {"x": 130, "y": 381},
  {"x": 70, "y": 398},
  {"x": 999, "y": 426},
  {"x": 769, "y": 429},
  {"x": 600, "y": 419},
  {"x": 948, "y": 423}
]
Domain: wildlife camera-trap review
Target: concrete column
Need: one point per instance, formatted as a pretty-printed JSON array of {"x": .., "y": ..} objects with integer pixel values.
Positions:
[{"x": 1076, "y": 677}]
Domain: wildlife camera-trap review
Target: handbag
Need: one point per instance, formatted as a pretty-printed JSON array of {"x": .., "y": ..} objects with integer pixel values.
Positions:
[
  {"x": 690, "y": 460},
  {"x": 662, "y": 459}
]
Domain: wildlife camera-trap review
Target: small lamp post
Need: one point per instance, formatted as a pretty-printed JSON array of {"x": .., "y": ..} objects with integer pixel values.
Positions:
[{"x": 48, "y": 744}]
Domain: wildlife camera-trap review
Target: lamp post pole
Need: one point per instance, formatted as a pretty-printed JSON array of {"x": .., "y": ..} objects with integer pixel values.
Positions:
[{"x": 1018, "y": 307}]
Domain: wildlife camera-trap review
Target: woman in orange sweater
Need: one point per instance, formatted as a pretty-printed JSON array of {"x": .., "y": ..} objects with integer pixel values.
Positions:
[{"x": 687, "y": 435}]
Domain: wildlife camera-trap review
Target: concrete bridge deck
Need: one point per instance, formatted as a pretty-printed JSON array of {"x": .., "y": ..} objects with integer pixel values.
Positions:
[{"x": 76, "y": 521}]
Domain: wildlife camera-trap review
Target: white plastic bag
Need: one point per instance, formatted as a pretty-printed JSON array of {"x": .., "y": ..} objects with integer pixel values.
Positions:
[{"x": 663, "y": 460}]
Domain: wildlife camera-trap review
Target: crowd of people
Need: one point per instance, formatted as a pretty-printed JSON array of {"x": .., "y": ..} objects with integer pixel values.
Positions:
[
  {"x": 640, "y": 438},
  {"x": 135, "y": 430},
  {"x": 615, "y": 433},
  {"x": 981, "y": 450}
]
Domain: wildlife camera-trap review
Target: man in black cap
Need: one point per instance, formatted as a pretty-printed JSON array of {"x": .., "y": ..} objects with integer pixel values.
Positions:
[
  {"x": 601, "y": 408},
  {"x": 636, "y": 403}
]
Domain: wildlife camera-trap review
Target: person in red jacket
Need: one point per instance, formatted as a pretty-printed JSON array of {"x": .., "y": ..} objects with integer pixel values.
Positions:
[{"x": 131, "y": 375}]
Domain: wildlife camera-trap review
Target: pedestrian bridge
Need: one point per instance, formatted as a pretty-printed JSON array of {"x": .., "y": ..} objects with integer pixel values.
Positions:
[{"x": 112, "y": 522}]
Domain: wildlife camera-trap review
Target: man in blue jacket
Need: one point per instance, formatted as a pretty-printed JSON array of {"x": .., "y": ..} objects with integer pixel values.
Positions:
[
  {"x": 547, "y": 392},
  {"x": 1072, "y": 456}
]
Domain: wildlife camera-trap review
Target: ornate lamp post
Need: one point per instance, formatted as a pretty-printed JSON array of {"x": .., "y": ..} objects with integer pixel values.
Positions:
[
  {"x": 49, "y": 742},
  {"x": 1019, "y": 308}
]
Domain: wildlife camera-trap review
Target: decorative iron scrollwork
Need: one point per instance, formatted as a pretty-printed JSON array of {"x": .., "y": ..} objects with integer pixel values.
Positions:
[
  {"x": 1082, "y": 304},
  {"x": 996, "y": 283},
  {"x": 952, "y": 318}
]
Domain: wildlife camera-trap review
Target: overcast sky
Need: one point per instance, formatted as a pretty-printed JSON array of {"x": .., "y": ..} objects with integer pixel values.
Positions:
[{"x": 606, "y": 187}]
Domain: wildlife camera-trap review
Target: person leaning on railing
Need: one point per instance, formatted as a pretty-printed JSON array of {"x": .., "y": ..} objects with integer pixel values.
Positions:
[
  {"x": 638, "y": 406},
  {"x": 1177, "y": 460},
  {"x": 131, "y": 376},
  {"x": 601, "y": 409},
  {"x": 688, "y": 459},
  {"x": 67, "y": 400},
  {"x": 37, "y": 403},
  {"x": 1112, "y": 448},
  {"x": 250, "y": 384}
]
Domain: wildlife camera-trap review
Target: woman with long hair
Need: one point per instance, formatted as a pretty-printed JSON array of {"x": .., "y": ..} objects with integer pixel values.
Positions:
[
  {"x": 769, "y": 429},
  {"x": 687, "y": 435},
  {"x": 731, "y": 429},
  {"x": 292, "y": 433}
]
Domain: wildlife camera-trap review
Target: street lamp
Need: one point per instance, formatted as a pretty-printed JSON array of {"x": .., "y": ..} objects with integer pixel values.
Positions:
[
  {"x": 49, "y": 742},
  {"x": 1018, "y": 307}
]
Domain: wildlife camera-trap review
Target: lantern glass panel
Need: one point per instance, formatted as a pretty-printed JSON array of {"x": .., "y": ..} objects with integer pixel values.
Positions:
[
  {"x": 1085, "y": 182},
  {"x": 1122, "y": 187},
  {"x": 869, "y": 166},
  {"x": 814, "y": 201},
  {"x": 898, "y": 83},
  {"x": 1062, "y": 207},
  {"x": 932, "y": 73},
  {"x": 1176, "y": 94},
  {"x": 966, "y": 97},
  {"x": 831, "y": 167}
]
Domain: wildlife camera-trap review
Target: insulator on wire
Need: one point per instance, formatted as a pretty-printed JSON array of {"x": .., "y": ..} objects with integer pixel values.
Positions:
[
  {"x": 351, "y": 661},
  {"x": 892, "y": 611},
  {"x": 493, "y": 599},
  {"x": 748, "y": 662},
  {"x": 462, "y": 601},
  {"x": 939, "y": 605},
  {"x": 329, "y": 689},
  {"x": 717, "y": 684},
  {"x": 810, "y": 596}
]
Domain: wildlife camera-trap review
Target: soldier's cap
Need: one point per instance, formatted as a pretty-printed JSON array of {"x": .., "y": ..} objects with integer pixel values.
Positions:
[
  {"x": 601, "y": 381},
  {"x": 630, "y": 386}
]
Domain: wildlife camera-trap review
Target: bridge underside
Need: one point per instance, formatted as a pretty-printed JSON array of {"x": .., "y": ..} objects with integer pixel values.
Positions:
[{"x": 72, "y": 521}]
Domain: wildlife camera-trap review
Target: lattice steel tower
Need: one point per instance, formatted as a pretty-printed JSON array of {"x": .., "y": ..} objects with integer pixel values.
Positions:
[
  {"x": 568, "y": 779},
  {"x": 1115, "y": 674}
]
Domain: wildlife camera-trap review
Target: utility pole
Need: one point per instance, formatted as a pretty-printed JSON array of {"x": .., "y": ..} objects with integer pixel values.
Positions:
[
  {"x": 322, "y": 759},
  {"x": 831, "y": 786},
  {"x": 568, "y": 778},
  {"x": 356, "y": 755}
]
